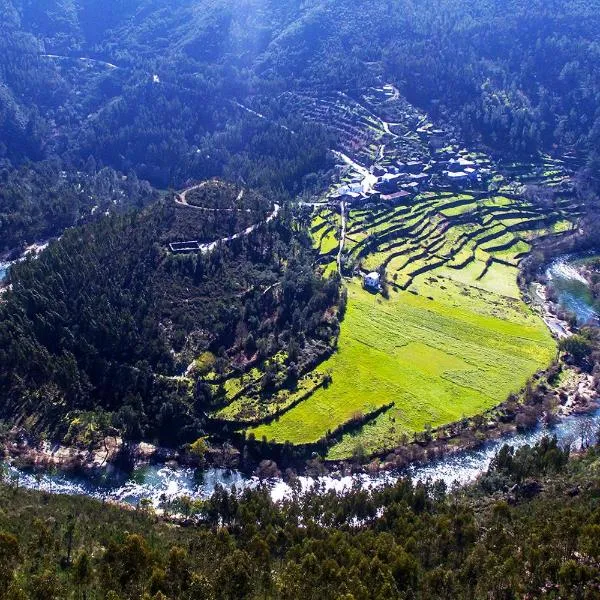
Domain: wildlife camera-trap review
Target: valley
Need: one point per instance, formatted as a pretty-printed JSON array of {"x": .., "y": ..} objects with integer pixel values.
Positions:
[
  {"x": 299, "y": 300},
  {"x": 447, "y": 335},
  {"x": 424, "y": 236}
]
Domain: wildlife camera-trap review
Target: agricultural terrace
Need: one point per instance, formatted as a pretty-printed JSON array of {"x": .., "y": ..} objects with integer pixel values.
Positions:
[
  {"x": 449, "y": 336},
  {"x": 454, "y": 337}
]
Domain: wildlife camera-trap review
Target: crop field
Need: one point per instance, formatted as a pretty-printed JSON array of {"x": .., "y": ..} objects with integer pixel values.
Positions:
[
  {"x": 437, "y": 359},
  {"x": 449, "y": 336},
  {"x": 454, "y": 338}
]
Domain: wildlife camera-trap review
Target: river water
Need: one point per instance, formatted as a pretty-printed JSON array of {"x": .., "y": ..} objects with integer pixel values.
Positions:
[
  {"x": 156, "y": 482},
  {"x": 572, "y": 290}
]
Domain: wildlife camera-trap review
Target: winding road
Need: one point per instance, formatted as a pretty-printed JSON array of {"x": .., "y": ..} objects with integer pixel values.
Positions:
[
  {"x": 204, "y": 248},
  {"x": 181, "y": 199}
]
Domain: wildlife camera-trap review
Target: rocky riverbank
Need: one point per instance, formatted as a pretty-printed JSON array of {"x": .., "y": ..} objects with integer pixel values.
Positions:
[{"x": 21, "y": 449}]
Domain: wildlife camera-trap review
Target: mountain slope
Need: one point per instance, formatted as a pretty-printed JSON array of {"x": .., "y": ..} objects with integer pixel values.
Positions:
[{"x": 108, "y": 319}]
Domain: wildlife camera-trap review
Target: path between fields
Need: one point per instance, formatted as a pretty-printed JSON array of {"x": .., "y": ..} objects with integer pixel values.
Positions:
[
  {"x": 342, "y": 237},
  {"x": 384, "y": 124}
]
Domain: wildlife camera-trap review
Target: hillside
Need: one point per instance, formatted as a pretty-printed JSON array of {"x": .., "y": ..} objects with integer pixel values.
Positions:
[
  {"x": 194, "y": 89},
  {"x": 538, "y": 540},
  {"x": 119, "y": 327},
  {"x": 445, "y": 335},
  {"x": 39, "y": 201}
]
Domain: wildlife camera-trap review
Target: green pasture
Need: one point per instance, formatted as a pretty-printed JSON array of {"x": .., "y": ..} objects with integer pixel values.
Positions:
[
  {"x": 437, "y": 359},
  {"x": 454, "y": 337}
]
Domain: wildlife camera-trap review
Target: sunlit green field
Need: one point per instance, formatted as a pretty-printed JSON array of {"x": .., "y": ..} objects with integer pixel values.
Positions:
[
  {"x": 454, "y": 338},
  {"x": 437, "y": 360}
]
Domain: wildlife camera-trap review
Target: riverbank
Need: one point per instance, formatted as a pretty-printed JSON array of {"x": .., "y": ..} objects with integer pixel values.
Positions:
[
  {"x": 156, "y": 484},
  {"x": 9, "y": 258},
  {"x": 25, "y": 452},
  {"x": 574, "y": 396}
]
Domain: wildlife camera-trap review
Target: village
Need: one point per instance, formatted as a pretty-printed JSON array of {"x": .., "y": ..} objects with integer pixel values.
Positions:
[
  {"x": 404, "y": 157},
  {"x": 394, "y": 164}
]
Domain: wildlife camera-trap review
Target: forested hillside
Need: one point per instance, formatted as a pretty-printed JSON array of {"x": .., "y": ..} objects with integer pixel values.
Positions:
[
  {"x": 538, "y": 540},
  {"x": 174, "y": 92},
  {"x": 104, "y": 327},
  {"x": 40, "y": 200},
  {"x": 162, "y": 90}
]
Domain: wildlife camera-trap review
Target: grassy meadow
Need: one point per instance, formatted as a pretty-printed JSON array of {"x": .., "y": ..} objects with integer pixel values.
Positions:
[
  {"x": 437, "y": 359},
  {"x": 453, "y": 339}
]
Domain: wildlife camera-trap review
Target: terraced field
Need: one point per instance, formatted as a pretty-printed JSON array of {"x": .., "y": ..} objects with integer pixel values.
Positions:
[
  {"x": 324, "y": 230},
  {"x": 454, "y": 337},
  {"x": 449, "y": 335}
]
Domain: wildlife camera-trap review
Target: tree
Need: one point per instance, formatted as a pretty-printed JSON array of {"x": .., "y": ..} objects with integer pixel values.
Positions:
[
  {"x": 82, "y": 573},
  {"x": 579, "y": 346},
  {"x": 9, "y": 558},
  {"x": 199, "y": 448},
  {"x": 45, "y": 586},
  {"x": 234, "y": 578}
]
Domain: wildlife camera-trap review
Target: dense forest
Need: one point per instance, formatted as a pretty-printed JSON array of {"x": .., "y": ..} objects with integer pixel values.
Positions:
[
  {"x": 102, "y": 325},
  {"x": 191, "y": 89},
  {"x": 527, "y": 529},
  {"x": 41, "y": 200}
]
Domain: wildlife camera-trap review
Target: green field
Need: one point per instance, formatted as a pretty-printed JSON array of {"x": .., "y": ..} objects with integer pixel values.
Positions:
[
  {"x": 437, "y": 360},
  {"x": 453, "y": 339}
]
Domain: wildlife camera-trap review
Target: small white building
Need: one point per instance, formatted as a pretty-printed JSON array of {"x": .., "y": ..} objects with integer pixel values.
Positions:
[
  {"x": 460, "y": 164},
  {"x": 457, "y": 176},
  {"x": 372, "y": 281}
]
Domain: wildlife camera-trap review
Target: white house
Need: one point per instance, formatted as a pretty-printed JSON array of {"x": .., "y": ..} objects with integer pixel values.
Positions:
[
  {"x": 457, "y": 176},
  {"x": 372, "y": 281}
]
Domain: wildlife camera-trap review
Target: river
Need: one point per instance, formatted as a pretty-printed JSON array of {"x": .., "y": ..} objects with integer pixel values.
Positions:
[
  {"x": 572, "y": 289},
  {"x": 155, "y": 482},
  {"x": 32, "y": 250}
]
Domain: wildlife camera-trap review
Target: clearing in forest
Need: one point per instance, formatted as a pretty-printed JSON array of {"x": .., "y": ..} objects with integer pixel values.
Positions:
[{"x": 437, "y": 360}]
